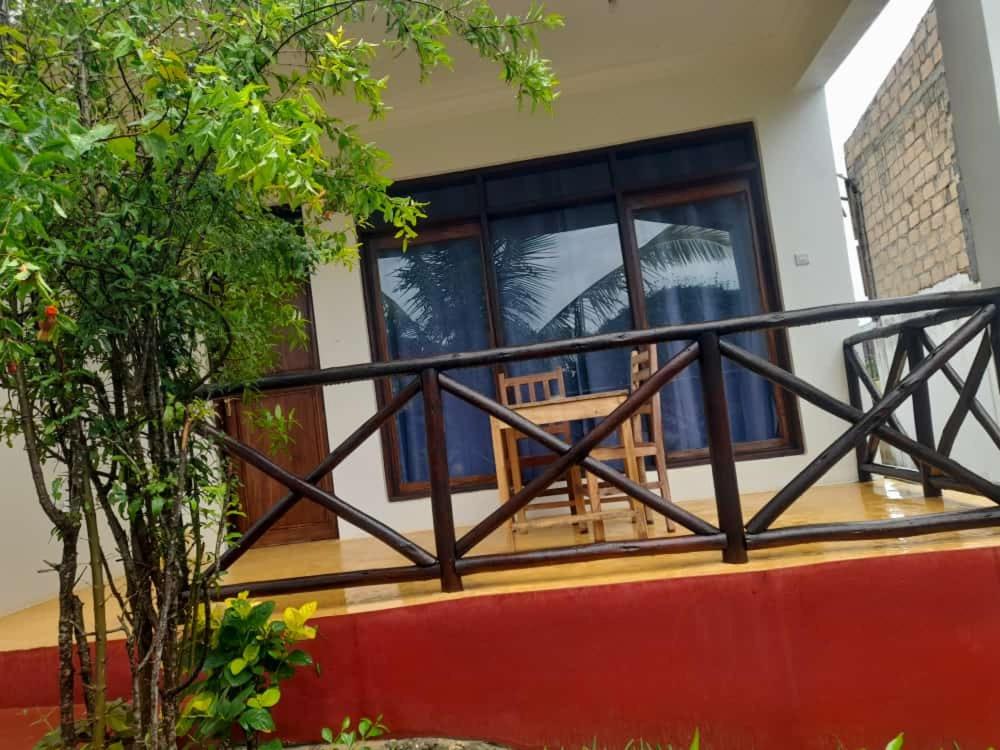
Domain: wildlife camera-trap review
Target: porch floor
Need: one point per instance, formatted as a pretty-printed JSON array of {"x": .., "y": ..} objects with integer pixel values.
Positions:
[{"x": 35, "y": 626}]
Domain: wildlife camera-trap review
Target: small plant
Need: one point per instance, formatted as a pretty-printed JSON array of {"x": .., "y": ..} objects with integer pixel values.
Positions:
[
  {"x": 277, "y": 427},
  {"x": 248, "y": 655},
  {"x": 368, "y": 729},
  {"x": 120, "y": 724},
  {"x": 641, "y": 744}
]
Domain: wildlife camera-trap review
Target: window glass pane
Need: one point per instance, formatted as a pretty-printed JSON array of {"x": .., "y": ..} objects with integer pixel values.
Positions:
[
  {"x": 433, "y": 303},
  {"x": 651, "y": 168},
  {"x": 698, "y": 264},
  {"x": 560, "y": 275},
  {"x": 548, "y": 184}
]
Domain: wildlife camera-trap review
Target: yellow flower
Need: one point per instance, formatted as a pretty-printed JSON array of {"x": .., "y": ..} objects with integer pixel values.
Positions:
[{"x": 295, "y": 622}]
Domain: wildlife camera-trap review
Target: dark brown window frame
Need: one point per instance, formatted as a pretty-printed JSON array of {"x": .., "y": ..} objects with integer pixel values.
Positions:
[{"x": 747, "y": 176}]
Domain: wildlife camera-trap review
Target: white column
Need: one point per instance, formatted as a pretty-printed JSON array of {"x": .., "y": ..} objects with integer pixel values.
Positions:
[{"x": 970, "y": 38}]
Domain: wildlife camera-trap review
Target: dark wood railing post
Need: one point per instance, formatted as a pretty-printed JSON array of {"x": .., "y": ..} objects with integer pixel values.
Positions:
[
  {"x": 854, "y": 394},
  {"x": 995, "y": 341},
  {"x": 720, "y": 448},
  {"x": 440, "y": 481},
  {"x": 923, "y": 419}
]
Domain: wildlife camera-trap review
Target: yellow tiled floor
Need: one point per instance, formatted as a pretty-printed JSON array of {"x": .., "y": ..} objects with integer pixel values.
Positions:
[{"x": 35, "y": 626}]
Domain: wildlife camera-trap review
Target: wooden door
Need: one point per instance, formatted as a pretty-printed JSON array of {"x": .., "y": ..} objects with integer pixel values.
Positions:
[{"x": 307, "y": 521}]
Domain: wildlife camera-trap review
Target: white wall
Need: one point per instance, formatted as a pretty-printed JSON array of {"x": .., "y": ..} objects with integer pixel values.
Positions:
[
  {"x": 804, "y": 210},
  {"x": 25, "y": 537},
  {"x": 970, "y": 40}
]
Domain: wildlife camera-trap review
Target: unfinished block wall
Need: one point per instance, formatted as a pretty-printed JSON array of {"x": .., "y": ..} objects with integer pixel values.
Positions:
[{"x": 902, "y": 160}]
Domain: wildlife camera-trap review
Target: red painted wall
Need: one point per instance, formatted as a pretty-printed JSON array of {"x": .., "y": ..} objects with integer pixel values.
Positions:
[{"x": 807, "y": 657}]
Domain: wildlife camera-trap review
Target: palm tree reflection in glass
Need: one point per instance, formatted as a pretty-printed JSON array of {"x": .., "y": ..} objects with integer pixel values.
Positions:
[{"x": 433, "y": 301}]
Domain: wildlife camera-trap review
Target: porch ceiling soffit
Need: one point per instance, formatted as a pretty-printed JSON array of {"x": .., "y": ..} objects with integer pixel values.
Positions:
[{"x": 707, "y": 43}]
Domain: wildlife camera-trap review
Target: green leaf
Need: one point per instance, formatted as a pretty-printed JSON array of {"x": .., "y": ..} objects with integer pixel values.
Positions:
[
  {"x": 327, "y": 735},
  {"x": 123, "y": 148},
  {"x": 237, "y": 665},
  {"x": 83, "y": 143},
  {"x": 8, "y": 159},
  {"x": 696, "y": 740},
  {"x": 13, "y": 120},
  {"x": 124, "y": 46},
  {"x": 257, "y": 719},
  {"x": 261, "y": 614},
  {"x": 155, "y": 145},
  {"x": 896, "y": 743},
  {"x": 299, "y": 658},
  {"x": 274, "y": 744},
  {"x": 251, "y": 652},
  {"x": 269, "y": 697}
]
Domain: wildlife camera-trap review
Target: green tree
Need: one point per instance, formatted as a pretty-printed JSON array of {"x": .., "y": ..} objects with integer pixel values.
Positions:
[{"x": 142, "y": 146}]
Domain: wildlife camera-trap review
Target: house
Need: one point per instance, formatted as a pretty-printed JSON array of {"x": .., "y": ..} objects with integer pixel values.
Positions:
[{"x": 685, "y": 178}]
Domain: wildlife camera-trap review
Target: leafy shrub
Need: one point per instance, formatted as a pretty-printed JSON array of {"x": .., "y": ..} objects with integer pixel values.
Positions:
[{"x": 247, "y": 657}]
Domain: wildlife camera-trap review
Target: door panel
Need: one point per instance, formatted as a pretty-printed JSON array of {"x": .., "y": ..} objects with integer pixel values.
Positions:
[
  {"x": 309, "y": 445},
  {"x": 306, "y": 521}
]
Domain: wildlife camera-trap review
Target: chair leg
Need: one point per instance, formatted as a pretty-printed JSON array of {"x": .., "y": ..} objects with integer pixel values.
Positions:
[
  {"x": 637, "y": 471},
  {"x": 640, "y": 477},
  {"x": 661, "y": 478},
  {"x": 576, "y": 497},
  {"x": 640, "y": 523},
  {"x": 516, "y": 479},
  {"x": 594, "y": 493}
]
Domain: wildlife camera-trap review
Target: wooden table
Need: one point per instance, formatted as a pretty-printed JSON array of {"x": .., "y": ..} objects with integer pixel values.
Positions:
[{"x": 569, "y": 409}]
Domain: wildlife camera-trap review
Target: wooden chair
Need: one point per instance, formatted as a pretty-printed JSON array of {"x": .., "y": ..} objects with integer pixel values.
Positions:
[
  {"x": 515, "y": 390},
  {"x": 647, "y": 432}
]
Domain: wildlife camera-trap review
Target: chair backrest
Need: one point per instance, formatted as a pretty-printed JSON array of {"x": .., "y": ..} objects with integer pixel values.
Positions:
[
  {"x": 525, "y": 389},
  {"x": 642, "y": 365}
]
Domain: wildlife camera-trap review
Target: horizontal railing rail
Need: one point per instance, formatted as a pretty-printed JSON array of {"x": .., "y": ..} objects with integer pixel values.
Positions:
[
  {"x": 953, "y": 302},
  {"x": 453, "y": 554}
]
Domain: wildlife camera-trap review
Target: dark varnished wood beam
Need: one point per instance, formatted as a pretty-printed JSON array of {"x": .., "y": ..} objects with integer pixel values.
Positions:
[
  {"x": 580, "y": 450},
  {"x": 409, "y": 549}
]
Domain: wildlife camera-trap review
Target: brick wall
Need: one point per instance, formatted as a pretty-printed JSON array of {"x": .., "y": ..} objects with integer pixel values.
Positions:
[{"x": 902, "y": 160}]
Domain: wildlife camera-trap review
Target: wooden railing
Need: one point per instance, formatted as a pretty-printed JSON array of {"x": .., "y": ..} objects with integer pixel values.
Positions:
[{"x": 732, "y": 536}]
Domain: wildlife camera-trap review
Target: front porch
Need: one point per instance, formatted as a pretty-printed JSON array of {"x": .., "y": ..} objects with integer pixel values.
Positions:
[
  {"x": 799, "y": 647},
  {"x": 760, "y": 611},
  {"x": 35, "y": 627}
]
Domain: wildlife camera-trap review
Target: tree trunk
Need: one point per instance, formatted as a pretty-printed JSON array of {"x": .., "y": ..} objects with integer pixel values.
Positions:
[
  {"x": 83, "y": 657},
  {"x": 67, "y": 627}
]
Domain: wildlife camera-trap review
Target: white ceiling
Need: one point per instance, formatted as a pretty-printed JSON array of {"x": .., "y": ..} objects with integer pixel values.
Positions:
[{"x": 674, "y": 38}]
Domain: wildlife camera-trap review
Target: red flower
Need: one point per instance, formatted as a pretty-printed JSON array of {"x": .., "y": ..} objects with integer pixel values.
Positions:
[
  {"x": 12, "y": 368},
  {"x": 51, "y": 311}
]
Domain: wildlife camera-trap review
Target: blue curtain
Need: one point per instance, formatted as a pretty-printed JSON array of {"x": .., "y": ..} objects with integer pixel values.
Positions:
[
  {"x": 698, "y": 264},
  {"x": 433, "y": 303}
]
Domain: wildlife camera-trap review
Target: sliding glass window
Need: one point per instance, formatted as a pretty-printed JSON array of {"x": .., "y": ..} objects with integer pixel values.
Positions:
[{"x": 638, "y": 236}]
